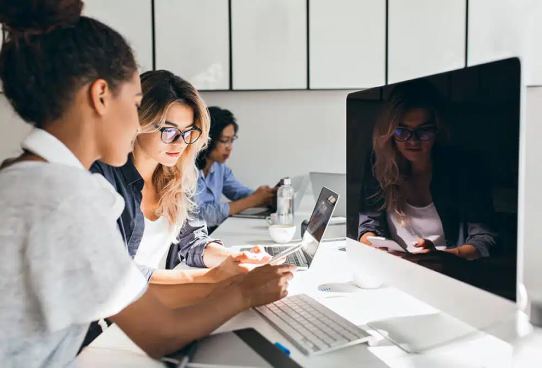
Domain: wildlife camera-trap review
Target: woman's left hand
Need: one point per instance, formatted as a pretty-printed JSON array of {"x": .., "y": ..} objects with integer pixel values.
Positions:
[
  {"x": 257, "y": 255},
  {"x": 240, "y": 263},
  {"x": 425, "y": 246}
]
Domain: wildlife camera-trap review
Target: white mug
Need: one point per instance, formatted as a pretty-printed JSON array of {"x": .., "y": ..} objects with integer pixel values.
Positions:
[
  {"x": 282, "y": 234},
  {"x": 273, "y": 219}
]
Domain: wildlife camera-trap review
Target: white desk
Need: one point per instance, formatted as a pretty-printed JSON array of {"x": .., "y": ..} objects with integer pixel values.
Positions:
[{"x": 114, "y": 349}]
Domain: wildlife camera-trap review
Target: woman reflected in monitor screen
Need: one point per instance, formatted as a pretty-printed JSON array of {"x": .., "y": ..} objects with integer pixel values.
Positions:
[{"x": 418, "y": 190}]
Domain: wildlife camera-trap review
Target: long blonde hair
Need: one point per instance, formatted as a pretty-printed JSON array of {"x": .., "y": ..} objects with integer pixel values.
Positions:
[
  {"x": 176, "y": 185},
  {"x": 391, "y": 169}
]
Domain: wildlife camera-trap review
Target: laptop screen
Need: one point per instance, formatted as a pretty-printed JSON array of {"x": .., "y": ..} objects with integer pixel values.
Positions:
[{"x": 323, "y": 210}]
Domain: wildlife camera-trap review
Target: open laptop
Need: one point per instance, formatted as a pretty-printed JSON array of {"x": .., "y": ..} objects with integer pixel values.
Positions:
[
  {"x": 335, "y": 181},
  {"x": 318, "y": 223},
  {"x": 299, "y": 183}
]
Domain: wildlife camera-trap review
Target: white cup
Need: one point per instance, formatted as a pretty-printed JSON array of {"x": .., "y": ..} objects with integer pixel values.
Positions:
[
  {"x": 273, "y": 219},
  {"x": 282, "y": 234}
]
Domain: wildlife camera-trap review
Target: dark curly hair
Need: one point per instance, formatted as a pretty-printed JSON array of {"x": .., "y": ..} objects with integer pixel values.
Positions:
[
  {"x": 50, "y": 51},
  {"x": 220, "y": 120}
]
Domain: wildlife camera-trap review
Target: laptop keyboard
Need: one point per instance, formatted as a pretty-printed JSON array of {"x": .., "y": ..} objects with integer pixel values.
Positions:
[
  {"x": 310, "y": 326},
  {"x": 296, "y": 258}
]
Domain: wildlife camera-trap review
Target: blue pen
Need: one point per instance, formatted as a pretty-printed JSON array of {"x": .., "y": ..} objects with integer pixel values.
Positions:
[{"x": 283, "y": 348}]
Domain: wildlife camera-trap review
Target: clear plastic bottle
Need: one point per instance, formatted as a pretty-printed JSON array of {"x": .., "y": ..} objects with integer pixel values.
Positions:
[{"x": 285, "y": 203}]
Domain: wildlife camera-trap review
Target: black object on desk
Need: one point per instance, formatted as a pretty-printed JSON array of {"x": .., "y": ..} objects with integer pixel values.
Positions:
[
  {"x": 304, "y": 226},
  {"x": 182, "y": 357},
  {"x": 241, "y": 348}
]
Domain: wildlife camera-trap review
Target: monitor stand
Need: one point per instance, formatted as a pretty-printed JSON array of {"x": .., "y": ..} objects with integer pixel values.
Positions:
[{"x": 415, "y": 334}]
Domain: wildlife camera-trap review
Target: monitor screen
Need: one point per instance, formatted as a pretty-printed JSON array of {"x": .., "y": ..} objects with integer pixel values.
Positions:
[
  {"x": 323, "y": 210},
  {"x": 433, "y": 164}
]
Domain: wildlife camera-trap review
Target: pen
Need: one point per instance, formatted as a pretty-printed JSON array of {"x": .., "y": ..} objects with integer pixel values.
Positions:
[{"x": 282, "y": 348}]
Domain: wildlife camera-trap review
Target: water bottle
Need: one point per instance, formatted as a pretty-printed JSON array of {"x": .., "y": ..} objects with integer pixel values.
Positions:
[{"x": 285, "y": 203}]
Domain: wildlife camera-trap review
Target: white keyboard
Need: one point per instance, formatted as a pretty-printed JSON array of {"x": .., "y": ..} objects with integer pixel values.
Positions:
[{"x": 310, "y": 326}]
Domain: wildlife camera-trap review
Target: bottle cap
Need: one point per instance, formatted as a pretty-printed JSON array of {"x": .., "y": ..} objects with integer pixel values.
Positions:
[{"x": 286, "y": 181}]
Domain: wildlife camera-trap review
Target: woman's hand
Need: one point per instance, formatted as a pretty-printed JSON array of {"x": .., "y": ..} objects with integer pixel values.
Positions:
[
  {"x": 262, "y": 195},
  {"x": 228, "y": 268},
  {"x": 364, "y": 238},
  {"x": 257, "y": 255},
  {"x": 365, "y": 241},
  {"x": 464, "y": 251},
  {"x": 260, "y": 286},
  {"x": 240, "y": 263},
  {"x": 265, "y": 284},
  {"x": 425, "y": 246}
]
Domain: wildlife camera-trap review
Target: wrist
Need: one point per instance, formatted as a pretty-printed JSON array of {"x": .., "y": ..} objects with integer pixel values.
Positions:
[
  {"x": 238, "y": 298},
  {"x": 214, "y": 254},
  {"x": 454, "y": 251},
  {"x": 212, "y": 276},
  {"x": 253, "y": 200}
]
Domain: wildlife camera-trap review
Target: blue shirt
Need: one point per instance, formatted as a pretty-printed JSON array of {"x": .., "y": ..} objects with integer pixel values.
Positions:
[{"x": 220, "y": 180}]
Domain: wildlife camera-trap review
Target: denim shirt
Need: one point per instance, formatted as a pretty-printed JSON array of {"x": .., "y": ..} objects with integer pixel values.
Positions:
[
  {"x": 461, "y": 194},
  {"x": 220, "y": 180},
  {"x": 192, "y": 239}
]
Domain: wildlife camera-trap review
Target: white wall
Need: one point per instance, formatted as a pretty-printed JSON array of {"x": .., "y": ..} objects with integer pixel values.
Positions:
[
  {"x": 282, "y": 133},
  {"x": 285, "y": 133},
  {"x": 530, "y": 198},
  {"x": 12, "y": 130}
]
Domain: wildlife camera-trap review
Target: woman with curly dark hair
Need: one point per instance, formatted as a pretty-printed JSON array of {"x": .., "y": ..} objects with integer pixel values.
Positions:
[{"x": 63, "y": 260}]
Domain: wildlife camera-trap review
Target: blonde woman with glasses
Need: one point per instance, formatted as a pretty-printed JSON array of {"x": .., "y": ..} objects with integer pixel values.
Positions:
[
  {"x": 158, "y": 184},
  {"x": 418, "y": 190}
]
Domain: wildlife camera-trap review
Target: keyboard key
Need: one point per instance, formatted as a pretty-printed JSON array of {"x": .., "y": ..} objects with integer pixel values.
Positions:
[
  {"x": 339, "y": 342},
  {"x": 320, "y": 344},
  {"x": 328, "y": 340},
  {"x": 309, "y": 344},
  {"x": 349, "y": 335}
]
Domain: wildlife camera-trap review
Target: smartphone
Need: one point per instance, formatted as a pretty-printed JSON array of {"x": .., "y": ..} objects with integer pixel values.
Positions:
[
  {"x": 392, "y": 245},
  {"x": 284, "y": 254}
]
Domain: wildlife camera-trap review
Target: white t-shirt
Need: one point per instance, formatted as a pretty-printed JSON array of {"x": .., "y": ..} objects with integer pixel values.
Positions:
[
  {"x": 63, "y": 263},
  {"x": 155, "y": 243},
  {"x": 423, "y": 222}
]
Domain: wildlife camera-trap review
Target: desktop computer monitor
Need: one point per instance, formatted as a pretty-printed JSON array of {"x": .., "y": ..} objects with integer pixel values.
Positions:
[{"x": 433, "y": 165}]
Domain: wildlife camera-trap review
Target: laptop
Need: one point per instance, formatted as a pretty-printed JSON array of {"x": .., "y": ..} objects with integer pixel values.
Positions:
[
  {"x": 316, "y": 229},
  {"x": 335, "y": 181},
  {"x": 299, "y": 183}
]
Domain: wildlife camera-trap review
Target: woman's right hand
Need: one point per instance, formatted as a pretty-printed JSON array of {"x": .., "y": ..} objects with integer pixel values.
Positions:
[
  {"x": 265, "y": 284},
  {"x": 364, "y": 240},
  {"x": 262, "y": 195}
]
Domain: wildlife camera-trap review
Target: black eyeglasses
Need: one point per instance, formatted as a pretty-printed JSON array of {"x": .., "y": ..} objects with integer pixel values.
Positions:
[
  {"x": 227, "y": 142},
  {"x": 422, "y": 134},
  {"x": 171, "y": 134}
]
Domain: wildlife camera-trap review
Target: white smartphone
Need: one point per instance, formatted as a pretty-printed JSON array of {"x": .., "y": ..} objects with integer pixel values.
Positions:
[
  {"x": 392, "y": 245},
  {"x": 285, "y": 253}
]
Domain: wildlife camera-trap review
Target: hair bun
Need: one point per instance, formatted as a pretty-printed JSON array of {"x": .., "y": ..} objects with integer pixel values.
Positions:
[{"x": 38, "y": 16}]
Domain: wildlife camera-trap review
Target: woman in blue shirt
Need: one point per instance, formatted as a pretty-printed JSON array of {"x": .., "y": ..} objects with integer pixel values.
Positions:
[{"x": 215, "y": 178}]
